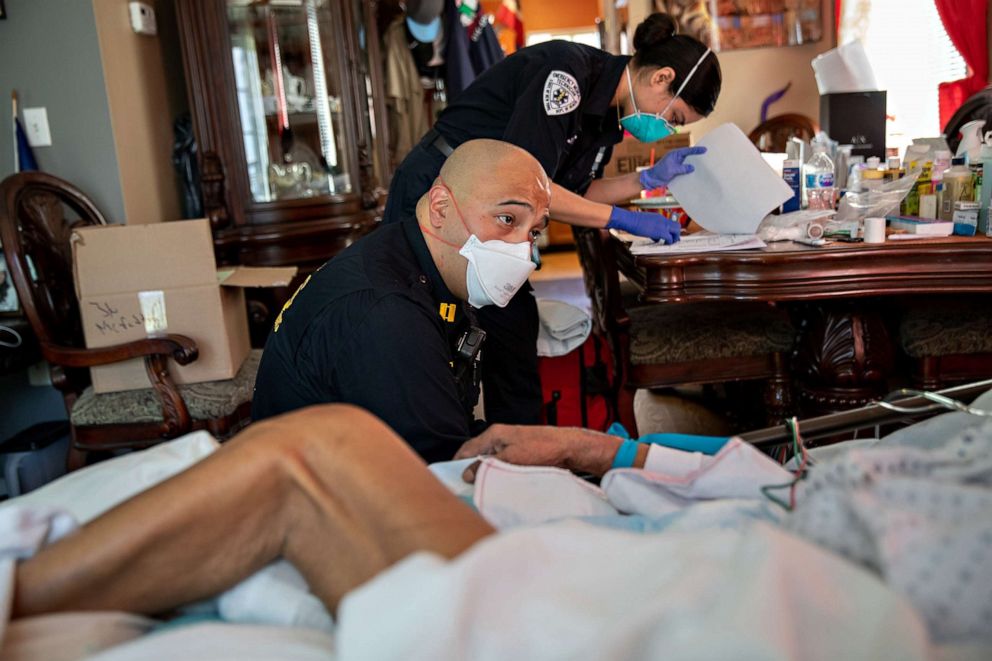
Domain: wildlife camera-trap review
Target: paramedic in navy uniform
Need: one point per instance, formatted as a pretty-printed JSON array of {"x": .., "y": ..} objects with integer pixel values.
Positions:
[{"x": 567, "y": 104}]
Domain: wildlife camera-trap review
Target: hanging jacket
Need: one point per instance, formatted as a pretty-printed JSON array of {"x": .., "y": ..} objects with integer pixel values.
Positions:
[
  {"x": 469, "y": 51},
  {"x": 408, "y": 119}
]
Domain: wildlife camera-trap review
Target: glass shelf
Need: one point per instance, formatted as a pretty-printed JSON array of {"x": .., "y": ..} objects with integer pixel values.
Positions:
[{"x": 289, "y": 99}]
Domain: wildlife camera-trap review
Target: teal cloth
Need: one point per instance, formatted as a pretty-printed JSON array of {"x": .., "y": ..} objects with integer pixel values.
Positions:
[
  {"x": 187, "y": 619},
  {"x": 686, "y": 442}
]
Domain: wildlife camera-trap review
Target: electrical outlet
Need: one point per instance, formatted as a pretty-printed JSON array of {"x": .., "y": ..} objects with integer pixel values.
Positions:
[
  {"x": 39, "y": 374},
  {"x": 36, "y": 127}
]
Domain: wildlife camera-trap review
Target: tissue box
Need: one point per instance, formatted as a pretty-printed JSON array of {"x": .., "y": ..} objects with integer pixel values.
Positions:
[
  {"x": 138, "y": 281},
  {"x": 855, "y": 118}
]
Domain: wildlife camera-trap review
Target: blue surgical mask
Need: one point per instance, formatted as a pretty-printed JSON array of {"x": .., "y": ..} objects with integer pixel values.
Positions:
[
  {"x": 651, "y": 128},
  {"x": 425, "y": 33}
]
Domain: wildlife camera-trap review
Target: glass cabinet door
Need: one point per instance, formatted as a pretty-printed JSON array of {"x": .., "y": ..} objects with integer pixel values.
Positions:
[
  {"x": 289, "y": 93},
  {"x": 369, "y": 85}
]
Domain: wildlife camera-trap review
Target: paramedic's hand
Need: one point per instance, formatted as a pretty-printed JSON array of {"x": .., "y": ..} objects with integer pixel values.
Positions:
[
  {"x": 671, "y": 166},
  {"x": 652, "y": 225},
  {"x": 526, "y": 445}
]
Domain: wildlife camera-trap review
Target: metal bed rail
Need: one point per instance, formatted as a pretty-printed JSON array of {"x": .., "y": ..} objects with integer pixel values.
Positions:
[{"x": 881, "y": 413}]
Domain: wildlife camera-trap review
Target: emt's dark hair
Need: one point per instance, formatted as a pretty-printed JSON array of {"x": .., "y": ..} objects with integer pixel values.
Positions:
[{"x": 658, "y": 44}]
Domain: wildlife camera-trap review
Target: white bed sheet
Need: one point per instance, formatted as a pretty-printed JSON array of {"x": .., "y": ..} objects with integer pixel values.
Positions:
[
  {"x": 575, "y": 591},
  {"x": 738, "y": 591}
]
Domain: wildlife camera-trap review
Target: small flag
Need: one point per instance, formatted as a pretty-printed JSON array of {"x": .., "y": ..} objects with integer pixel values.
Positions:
[{"x": 24, "y": 159}]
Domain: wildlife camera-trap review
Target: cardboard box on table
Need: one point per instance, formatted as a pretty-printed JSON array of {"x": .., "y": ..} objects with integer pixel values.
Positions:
[
  {"x": 631, "y": 153},
  {"x": 137, "y": 281}
]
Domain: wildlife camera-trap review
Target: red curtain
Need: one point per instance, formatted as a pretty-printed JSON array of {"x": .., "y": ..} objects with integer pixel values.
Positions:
[
  {"x": 966, "y": 23},
  {"x": 838, "y": 12}
]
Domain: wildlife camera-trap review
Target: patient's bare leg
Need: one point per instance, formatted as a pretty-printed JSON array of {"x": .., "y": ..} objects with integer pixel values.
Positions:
[{"x": 330, "y": 488}]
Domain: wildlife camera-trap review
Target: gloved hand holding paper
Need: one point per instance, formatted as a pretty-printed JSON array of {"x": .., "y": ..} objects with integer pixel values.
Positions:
[{"x": 733, "y": 188}]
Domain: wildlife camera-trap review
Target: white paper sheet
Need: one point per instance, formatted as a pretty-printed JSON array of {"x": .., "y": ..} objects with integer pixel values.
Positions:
[
  {"x": 844, "y": 69},
  {"x": 699, "y": 242},
  {"x": 732, "y": 188}
]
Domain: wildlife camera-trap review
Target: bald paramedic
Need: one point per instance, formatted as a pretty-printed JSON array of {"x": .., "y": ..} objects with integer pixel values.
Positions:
[{"x": 385, "y": 324}]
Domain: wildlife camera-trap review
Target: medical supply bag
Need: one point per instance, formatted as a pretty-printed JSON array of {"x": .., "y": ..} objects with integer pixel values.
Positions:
[{"x": 576, "y": 387}]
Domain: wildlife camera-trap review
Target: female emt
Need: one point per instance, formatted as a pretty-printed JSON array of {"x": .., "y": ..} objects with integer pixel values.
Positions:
[{"x": 567, "y": 104}]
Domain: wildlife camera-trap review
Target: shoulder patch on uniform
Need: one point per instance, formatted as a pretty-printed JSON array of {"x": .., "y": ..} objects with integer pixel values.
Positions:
[
  {"x": 561, "y": 93},
  {"x": 286, "y": 306}
]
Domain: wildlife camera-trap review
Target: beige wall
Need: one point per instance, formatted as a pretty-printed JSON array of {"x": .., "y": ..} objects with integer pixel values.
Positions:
[
  {"x": 141, "y": 95},
  {"x": 749, "y": 76}
]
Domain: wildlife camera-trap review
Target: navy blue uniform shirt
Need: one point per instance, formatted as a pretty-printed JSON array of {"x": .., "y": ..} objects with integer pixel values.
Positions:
[
  {"x": 554, "y": 100},
  {"x": 375, "y": 327}
]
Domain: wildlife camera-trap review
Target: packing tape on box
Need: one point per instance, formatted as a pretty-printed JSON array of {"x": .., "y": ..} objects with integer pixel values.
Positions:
[{"x": 153, "y": 310}]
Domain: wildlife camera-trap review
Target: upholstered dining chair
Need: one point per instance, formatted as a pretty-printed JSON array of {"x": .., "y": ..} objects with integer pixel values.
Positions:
[
  {"x": 666, "y": 345},
  {"x": 772, "y": 135},
  {"x": 949, "y": 341},
  {"x": 38, "y": 213}
]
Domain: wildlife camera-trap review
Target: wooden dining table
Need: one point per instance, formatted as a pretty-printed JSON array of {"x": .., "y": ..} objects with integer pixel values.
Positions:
[{"x": 843, "y": 296}]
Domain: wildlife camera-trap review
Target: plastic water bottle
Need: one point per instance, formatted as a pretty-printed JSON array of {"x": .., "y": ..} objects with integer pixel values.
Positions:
[{"x": 819, "y": 176}]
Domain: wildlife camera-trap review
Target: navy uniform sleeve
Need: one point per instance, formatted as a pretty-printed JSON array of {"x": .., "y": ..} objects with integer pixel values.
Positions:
[
  {"x": 546, "y": 113},
  {"x": 395, "y": 365}
]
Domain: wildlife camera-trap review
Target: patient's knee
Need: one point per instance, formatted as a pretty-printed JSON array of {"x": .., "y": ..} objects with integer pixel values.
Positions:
[
  {"x": 338, "y": 426},
  {"x": 343, "y": 429},
  {"x": 320, "y": 433}
]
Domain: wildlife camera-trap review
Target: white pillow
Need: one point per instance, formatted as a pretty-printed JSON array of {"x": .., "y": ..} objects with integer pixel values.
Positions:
[{"x": 89, "y": 492}]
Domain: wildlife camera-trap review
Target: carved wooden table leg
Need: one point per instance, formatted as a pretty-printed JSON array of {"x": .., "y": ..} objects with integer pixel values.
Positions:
[
  {"x": 845, "y": 356},
  {"x": 778, "y": 393}
]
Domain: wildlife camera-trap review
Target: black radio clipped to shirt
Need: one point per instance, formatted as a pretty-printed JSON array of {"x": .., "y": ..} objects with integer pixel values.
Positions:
[
  {"x": 466, "y": 367},
  {"x": 468, "y": 353}
]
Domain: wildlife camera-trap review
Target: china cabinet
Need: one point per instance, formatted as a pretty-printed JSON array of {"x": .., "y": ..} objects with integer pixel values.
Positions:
[{"x": 286, "y": 100}]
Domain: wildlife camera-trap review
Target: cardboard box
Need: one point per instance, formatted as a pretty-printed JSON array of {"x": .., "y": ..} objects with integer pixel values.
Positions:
[
  {"x": 855, "y": 118},
  {"x": 631, "y": 154},
  {"x": 138, "y": 281}
]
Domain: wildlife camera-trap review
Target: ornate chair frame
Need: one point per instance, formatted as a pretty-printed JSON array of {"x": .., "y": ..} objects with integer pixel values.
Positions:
[
  {"x": 35, "y": 236},
  {"x": 612, "y": 319}
]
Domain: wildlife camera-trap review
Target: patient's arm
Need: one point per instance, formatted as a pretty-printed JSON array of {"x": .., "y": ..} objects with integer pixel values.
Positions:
[
  {"x": 330, "y": 488},
  {"x": 580, "y": 450}
]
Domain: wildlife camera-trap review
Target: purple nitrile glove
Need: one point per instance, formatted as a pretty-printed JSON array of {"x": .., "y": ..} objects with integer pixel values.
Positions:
[
  {"x": 652, "y": 225},
  {"x": 672, "y": 165}
]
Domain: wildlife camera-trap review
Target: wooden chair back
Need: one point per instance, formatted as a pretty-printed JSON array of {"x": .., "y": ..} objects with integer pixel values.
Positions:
[
  {"x": 602, "y": 279},
  {"x": 772, "y": 135},
  {"x": 38, "y": 213}
]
